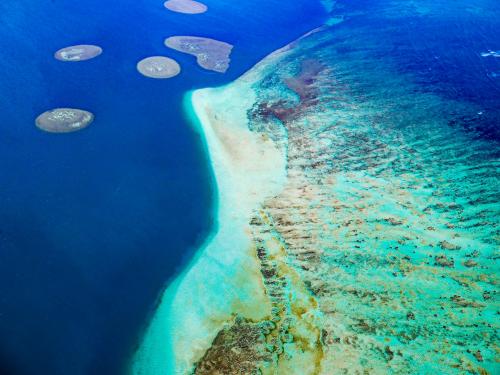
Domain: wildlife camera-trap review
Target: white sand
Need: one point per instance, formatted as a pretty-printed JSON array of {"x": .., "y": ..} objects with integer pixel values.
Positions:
[
  {"x": 224, "y": 277},
  {"x": 186, "y": 6},
  {"x": 81, "y": 52}
]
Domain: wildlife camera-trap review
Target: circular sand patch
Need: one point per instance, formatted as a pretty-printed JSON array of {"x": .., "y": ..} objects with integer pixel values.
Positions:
[
  {"x": 64, "y": 120},
  {"x": 186, "y": 6},
  {"x": 80, "y": 52},
  {"x": 158, "y": 67}
]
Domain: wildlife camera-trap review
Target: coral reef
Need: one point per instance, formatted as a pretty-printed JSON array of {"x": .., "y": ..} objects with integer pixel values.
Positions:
[
  {"x": 76, "y": 53},
  {"x": 365, "y": 254},
  {"x": 159, "y": 67},
  {"x": 358, "y": 224},
  {"x": 210, "y": 54},
  {"x": 64, "y": 120},
  {"x": 186, "y": 6}
]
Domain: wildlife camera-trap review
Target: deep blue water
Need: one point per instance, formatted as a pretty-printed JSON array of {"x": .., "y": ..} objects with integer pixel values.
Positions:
[
  {"x": 94, "y": 223},
  {"x": 439, "y": 43}
]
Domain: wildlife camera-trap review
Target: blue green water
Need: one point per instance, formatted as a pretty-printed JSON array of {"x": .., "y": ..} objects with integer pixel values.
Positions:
[{"x": 93, "y": 224}]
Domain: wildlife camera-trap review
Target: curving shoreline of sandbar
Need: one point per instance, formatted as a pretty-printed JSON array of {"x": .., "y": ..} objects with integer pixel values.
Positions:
[{"x": 247, "y": 170}]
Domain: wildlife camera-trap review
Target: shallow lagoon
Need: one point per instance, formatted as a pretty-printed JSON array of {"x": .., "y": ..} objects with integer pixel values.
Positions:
[{"x": 93, "y": 223}]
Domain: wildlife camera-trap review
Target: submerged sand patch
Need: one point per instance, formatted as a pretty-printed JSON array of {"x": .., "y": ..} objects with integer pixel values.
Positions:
[
  {"x": 210, "y": 54},
  {"x": 79, "y": 52},
  {"x": 64, "y": 120},
  {"x": 158, "y": 67},
  {"x": 186, "y": 6}
]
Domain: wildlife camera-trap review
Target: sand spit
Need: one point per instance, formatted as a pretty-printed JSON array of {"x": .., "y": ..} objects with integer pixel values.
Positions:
[
  {"x": 186, "y": 6},
  {"x": 81, "y": 52},
  {"x": 248, "y": 169},
  {"x": 64, "y": 120},
  {"x": 158, "y": 67},
  {"x": 210, "y": 54}
]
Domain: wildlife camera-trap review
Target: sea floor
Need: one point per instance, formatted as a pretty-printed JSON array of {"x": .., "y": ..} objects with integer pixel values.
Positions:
[{"x": 358, "y": 221}]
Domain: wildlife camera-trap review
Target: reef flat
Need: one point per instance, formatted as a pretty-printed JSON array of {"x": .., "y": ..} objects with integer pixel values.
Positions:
[
  {"x": 210, "y": 54},
  {"x": 357, "y": 226},
  {"x": 248, "y": 168}
]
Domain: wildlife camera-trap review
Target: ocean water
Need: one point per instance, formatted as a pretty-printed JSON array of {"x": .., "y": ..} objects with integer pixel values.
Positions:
[
  {"x": 373, "y": 243},
  {"x": 390, "y": 123},
  {"x": 390, "y": 215},
  {"x": 443, "y": 45},
  {"x": 93, "y": 224}
]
